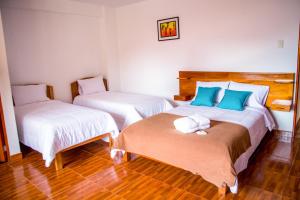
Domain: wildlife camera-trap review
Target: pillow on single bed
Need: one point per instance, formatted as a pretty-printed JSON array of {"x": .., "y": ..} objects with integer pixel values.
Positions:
[
  {"x": 259, "y": 93},
  {"x": 26, "y": 94},
  {"x": 222, "y": 85},
  {"x": 206, "y": 96},
  {"x": 91, "y": 85},
  {"x": 234, "y": 100}
]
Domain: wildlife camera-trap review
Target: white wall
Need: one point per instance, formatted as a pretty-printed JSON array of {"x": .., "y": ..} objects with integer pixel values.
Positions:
[
  {"x": 110, "y": 51},
  {"x": 55, "y": 42},
  {"x": 6, "y": 97},
  {"x": 216, "y": 35}
]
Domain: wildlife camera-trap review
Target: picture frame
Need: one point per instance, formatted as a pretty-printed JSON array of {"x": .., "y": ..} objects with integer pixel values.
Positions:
[{"x": 168, "y": 29}]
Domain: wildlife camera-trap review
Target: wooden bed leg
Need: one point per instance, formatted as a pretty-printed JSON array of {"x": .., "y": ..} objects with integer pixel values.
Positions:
[
  {"x": 58, "y": 161},
  {"x": 222, "y": 190},
  {"x": 127, "y": 156}
]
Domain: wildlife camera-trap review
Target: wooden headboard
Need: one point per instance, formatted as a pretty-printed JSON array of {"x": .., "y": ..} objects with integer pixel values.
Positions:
[
  {"x": 50, "y": 92},
  {"x": 74, "y": 87},
  {"x": 281, "y": 84}
]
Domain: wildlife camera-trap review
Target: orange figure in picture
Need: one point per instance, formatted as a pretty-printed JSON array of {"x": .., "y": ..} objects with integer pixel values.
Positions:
[{"x": 168, "y": 29}]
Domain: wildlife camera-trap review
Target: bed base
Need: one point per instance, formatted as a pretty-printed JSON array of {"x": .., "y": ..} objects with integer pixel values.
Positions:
[
  {"x": 128, "y": 156},
  {"x": 223, "y": 190},
  {"x": 59, "y": 164}
]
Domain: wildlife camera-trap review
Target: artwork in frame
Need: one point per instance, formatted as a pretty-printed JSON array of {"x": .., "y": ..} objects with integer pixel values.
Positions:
[{"x": 168, "y": 29}]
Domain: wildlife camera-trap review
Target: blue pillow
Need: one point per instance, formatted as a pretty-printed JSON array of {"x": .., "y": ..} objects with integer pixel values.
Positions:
[
  {"x": 206, "y": 96},
  {"x": 234, "y": 100}
]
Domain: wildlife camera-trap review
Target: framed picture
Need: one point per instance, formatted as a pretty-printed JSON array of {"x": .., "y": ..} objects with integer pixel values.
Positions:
[{"x": 168, "y": 29}]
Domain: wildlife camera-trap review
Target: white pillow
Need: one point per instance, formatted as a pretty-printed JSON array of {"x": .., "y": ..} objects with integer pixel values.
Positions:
[
  {"x": 223, "y": 85},
  {"x": 26, "y": 94},
  {"x": 91, "y": 85},
  {"x": 259, "y": 94}
]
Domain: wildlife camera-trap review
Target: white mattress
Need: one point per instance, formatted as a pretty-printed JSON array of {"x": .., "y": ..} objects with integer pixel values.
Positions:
[
  {"x": 125, "y": 108},
  {"x": 256, "y": 120},
  {"x": 51, "y": 126}
]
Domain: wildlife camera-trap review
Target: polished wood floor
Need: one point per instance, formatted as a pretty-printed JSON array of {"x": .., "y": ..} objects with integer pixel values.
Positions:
[{"x": 273, "y": 173}]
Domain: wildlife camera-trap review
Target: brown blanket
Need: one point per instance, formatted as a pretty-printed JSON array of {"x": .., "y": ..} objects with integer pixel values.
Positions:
[{"x": 212, "y": 156}]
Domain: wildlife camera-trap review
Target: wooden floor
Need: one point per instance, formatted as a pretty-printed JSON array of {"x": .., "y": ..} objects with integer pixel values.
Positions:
[{"x": 274, "y": 173}]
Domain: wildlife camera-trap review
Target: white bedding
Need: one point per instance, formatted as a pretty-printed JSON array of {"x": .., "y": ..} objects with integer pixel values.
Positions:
[
  {"x": 256, "y": 120},
  {"x": 125, "y": 108},
  {"x": 51, "y": 126}
]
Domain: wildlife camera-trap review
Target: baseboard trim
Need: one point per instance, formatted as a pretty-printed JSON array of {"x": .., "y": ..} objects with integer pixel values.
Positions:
[
  {"x": 283, "y": 136},
  {"x": 16, "y": 157}
]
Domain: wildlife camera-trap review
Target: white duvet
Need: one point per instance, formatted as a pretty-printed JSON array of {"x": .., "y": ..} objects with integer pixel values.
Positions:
[
  {"x": 256, "y": 120},
  {"x": 51, "y": 126},
  {"x": 126, "y": 108}
]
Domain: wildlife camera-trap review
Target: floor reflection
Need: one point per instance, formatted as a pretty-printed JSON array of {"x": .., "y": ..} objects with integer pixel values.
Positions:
[{"x": 273, "y": 173}]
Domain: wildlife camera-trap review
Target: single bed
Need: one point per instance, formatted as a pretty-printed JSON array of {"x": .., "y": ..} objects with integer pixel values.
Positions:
[
  {"x": 232, "y": 137},
  {"x": 125, "y": 108},
  {"x": 52, "y": 127}
]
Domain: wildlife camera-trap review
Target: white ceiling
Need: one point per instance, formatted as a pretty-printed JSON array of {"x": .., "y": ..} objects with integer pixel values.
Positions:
[{"x": 112, "y": 3}]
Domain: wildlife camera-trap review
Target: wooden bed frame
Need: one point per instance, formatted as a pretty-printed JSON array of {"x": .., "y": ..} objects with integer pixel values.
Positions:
[
  {"x": 59, "y": 157},
  {"x": 281, "y": 87},
  {"x": 74, "y": 87}
]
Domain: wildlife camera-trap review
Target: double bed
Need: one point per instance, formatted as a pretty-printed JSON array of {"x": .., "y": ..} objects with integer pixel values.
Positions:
[
  {"x": 52, "y": 127},
  {"x": 221, "y": 154},
  {"x": 126, "y": 108},
  {"x": 258, "y": 121}
]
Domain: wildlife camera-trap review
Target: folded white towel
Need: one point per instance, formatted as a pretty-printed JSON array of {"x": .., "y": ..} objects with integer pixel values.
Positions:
[
  {"x": 192, "y": 123},
  {"x": 202, "y": 121},
  {"x": 186, "y": 125},
  {"x": 204, "y": 127}
]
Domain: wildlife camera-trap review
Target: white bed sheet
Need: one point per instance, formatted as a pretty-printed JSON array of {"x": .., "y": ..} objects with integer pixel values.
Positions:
[
  {"x": 126, "y": 108},
  {"x": 256, "y": 120},
  {"x": 51, "y": 126}
]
